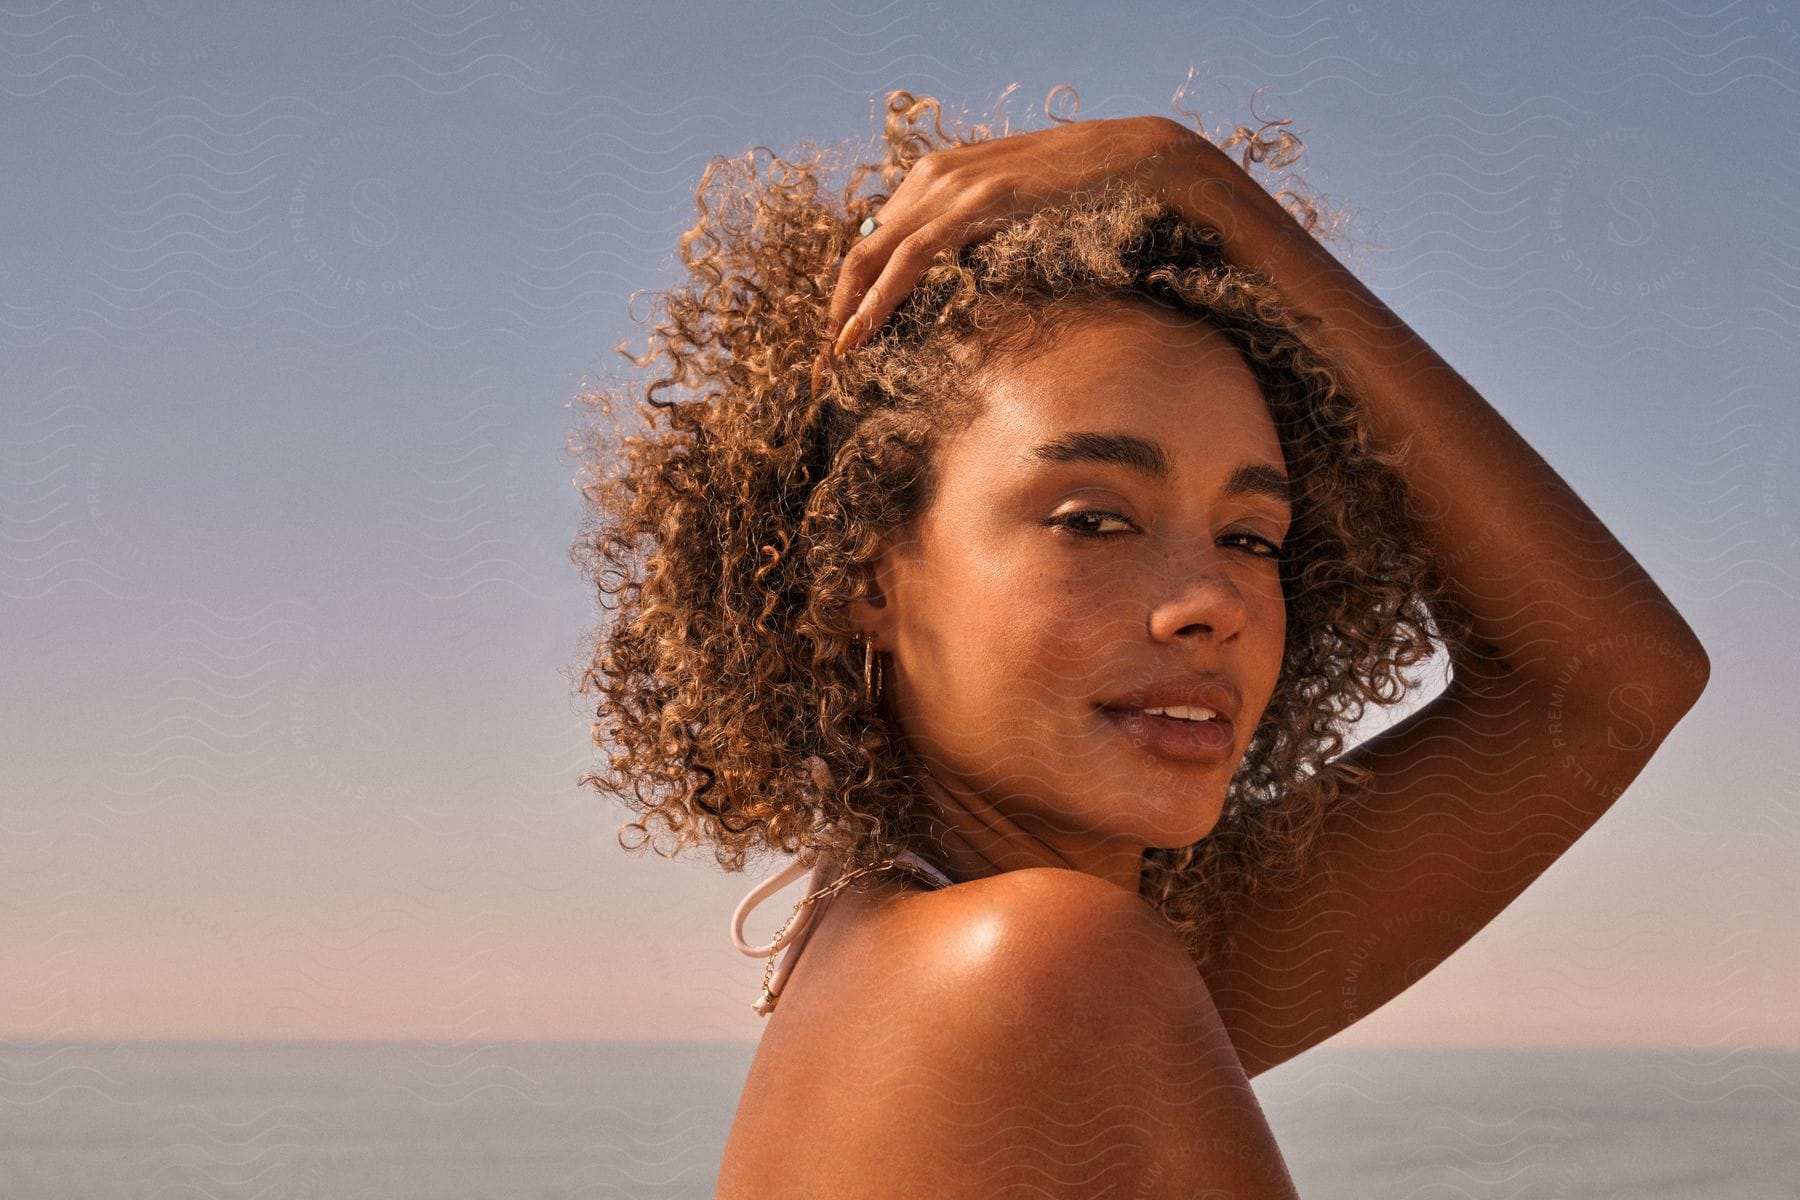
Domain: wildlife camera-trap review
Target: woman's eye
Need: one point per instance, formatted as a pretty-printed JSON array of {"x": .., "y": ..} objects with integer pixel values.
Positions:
[
  {"x": 1078, "y": 523},
  {"x": 1083, "y": 523},
  {"x": 1273, "y": 550}
]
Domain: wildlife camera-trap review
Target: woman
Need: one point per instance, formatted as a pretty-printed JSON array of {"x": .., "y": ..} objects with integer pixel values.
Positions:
[{"x": 1031, "y": 616}]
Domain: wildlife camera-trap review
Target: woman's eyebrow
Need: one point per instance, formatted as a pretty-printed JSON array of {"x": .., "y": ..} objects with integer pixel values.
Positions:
[{"x": 1142, "y": 454}]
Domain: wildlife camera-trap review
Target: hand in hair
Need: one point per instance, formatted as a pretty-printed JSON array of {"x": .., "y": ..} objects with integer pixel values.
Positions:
[{"x": 954, "y": 196}]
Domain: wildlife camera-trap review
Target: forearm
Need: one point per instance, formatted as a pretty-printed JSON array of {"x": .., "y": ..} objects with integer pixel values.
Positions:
[{"x": 1542, "y": 580}]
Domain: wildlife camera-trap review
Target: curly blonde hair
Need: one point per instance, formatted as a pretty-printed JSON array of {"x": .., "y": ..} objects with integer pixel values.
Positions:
[{"x": 728, "y": 540}]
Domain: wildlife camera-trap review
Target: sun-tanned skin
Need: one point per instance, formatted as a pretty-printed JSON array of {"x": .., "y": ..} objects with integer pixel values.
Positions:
[
  {"x": 1038, "y": 1025},
  {"x": 951, "y": 1036},
  {"x": 1009, "y": 619},
  {"x": 1034, "y": 1033}
]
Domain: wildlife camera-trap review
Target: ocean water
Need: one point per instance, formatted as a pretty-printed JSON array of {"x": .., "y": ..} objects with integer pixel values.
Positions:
[{"x": 417, "y": 1121}]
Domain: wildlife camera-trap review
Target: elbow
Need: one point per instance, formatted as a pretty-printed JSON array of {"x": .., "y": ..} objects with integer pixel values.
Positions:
[
  {"x": 1680, "y": 687},
  {"x": 1680, "y": 648},
  {"x": 1703, "y": 670},
  {"x": 1694, "y": 670},
  {"x": 1656, "y": 675}
]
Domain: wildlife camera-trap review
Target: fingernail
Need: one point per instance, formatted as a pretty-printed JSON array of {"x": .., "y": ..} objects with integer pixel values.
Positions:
[{"x": 846, "y": 335}]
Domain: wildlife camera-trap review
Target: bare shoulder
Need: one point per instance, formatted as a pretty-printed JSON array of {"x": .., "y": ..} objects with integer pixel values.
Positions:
[
  {"x": 1040, "y": 1029},
  {"x": 1053, "y": 942}
]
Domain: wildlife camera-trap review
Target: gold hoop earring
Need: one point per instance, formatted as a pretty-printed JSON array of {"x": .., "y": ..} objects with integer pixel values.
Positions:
[{"x": 871, "y": 676}]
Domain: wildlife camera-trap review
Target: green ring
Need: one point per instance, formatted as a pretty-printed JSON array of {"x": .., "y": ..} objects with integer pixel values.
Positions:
[{"x": 869, "y": 225}]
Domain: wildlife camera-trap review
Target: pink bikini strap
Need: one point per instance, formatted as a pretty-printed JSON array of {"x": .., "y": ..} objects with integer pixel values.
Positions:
[
  {"x": 800, "y": 927},
  {"x": 823, "y": 873}
]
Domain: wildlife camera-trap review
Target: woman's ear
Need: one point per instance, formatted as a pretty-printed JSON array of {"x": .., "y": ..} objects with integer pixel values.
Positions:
[
  {"x": 870, "y": 613},
  {"x": 875, "y": 609}
]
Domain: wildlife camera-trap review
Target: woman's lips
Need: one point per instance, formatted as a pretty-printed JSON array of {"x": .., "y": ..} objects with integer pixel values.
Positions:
[{"x": 1171, "y": 737}]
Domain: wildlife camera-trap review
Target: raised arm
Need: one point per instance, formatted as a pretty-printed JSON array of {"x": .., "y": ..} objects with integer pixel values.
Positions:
[
  {"x": 1581, "y": 668},
  {"x": 1545, "y": 582}
]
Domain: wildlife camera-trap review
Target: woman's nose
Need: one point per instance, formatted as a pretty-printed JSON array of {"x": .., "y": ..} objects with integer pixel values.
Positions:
[{"x": 1202, "y": 599}]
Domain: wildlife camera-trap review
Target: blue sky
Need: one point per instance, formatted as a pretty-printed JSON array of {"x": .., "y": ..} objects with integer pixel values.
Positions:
[{"x": 294, "y": 302}]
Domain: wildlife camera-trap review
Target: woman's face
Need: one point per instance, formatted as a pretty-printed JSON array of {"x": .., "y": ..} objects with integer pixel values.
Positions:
[{"x": 1011, "y": 628}]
